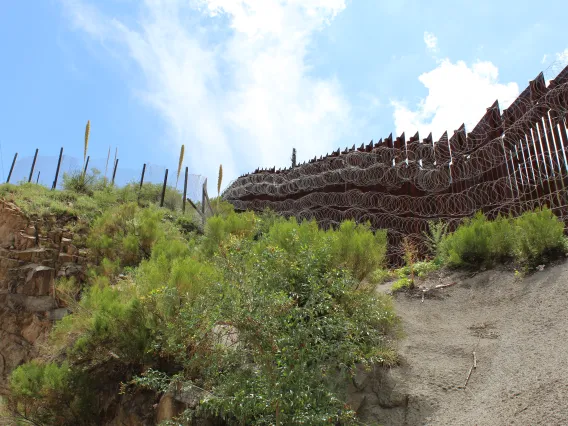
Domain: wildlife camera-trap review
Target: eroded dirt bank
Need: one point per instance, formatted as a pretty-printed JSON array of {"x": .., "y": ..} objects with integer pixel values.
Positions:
[{"x": 519, "y": 332}]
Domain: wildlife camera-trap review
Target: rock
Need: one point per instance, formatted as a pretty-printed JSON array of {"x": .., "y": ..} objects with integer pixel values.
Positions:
[
  {"x": 168, "y": 408},
  {"x": 24, "y": 242},
  {"x": 21, "y": 303},
  {"x": 31, "y": 230},
  {"x": 67, "y": 258},
  {"x": 32, "y": 331},
  {"x": 12, "y": 220},
  {"x": 57, "y": 314},
  {"x": 39, "y": 281},
  {"x": 176, "y": 400},
  {"x": 225, "y": 335}
]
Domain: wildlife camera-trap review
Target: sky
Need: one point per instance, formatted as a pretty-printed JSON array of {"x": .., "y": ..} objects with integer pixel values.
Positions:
[{"x": 242, "y": 82}]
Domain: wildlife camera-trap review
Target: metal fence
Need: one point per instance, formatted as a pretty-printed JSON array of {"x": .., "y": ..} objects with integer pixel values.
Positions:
[{"x": 509, "y": 163}]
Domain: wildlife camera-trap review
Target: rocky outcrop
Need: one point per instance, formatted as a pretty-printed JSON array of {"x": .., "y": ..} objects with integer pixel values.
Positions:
[{"x": 33, "y": 254}]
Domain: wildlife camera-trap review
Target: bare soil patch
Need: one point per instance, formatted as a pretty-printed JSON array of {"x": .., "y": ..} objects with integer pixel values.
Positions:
[{"x": 518, "y": 329}]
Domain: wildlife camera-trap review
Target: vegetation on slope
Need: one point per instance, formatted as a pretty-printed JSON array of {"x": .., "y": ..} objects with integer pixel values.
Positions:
[{"x": 261, "y": 318}]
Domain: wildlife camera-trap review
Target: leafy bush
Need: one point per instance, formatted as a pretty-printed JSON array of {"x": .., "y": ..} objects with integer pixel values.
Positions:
[
  {"x": 126, "y": 234},
  {"x": 49, "y": 394},
  {"x": 80, "y": 183},
  {"x": 437, "y": 231},
  {"x": 218, "y": 229},
  {"x": 402, "y": 283},
  {"x": 539, "y": 236},
  {"x": 532, "y": 237},
  {"x": 380, "y": 276},
  {"x": 469, "y": 245},
  {"x": 359, "y": 249},
  {"x": 298, "y": 319}
]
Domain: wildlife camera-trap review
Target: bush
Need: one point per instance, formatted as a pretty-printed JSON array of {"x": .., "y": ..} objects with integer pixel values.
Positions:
[
  {"x": 80, "y": 183},
  {"x": 533, "y": 237},
  {"x": 218, "y": 229},
  {"x": 402, "y": 283},
  {"x": 49, "y": 394},
  {"x": 469, "y": 245},
  {"x": 539, "y": 236},
  {"x": 301, "y": 321},
  {"x": 126, "y": 233},
  {"x": 358, "y": 248}
]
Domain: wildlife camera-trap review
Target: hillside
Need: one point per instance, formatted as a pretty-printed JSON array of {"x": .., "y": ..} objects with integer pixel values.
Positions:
[
  {"x": 518, "y": 329},
  {"x": 117, "y": 311}
]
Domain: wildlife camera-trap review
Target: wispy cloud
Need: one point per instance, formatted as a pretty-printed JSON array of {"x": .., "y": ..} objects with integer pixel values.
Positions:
[
  {"x": 431, "y": 42},
  {"x": 457, "y": 94},
  {"x": 230, "y": 77}
]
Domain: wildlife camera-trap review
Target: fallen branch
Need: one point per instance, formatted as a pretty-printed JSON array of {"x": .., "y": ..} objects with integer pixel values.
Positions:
[
  {"x": 468, "y": 376},
  {"x": 474, "y": 366},
  {"x": 445, "y": 285}
]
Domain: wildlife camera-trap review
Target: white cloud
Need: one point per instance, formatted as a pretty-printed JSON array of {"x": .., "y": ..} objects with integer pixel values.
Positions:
[
  {"x": 456, "y": 94},
  {"x": 562, "y": 57},
  {"x": 431, "y": 41},
  {"x": 247, "y": 97},
  {"x": 544, "y": 58}
]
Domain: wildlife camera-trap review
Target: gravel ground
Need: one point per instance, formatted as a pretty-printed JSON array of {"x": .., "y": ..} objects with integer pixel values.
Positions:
[{"x": 518, "y": 329}]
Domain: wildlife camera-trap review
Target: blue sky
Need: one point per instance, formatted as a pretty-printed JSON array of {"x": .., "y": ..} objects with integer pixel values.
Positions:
[{"x": 241, "y": 82}]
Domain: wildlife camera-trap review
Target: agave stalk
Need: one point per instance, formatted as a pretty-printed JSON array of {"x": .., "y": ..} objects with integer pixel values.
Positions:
[
  {"x": 180, "y": 163},
  {"x": 87, "y": 132},
  {"x": 219, "y": 181},
  {"x": 86, "y": 147}
]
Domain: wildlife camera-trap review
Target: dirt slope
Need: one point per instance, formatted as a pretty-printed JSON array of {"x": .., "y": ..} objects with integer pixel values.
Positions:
[{"x": 519, "y": 331}]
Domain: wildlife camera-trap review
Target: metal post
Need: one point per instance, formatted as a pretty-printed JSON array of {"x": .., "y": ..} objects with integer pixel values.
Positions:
[
  {"x": 142, "y": 177},
  {"x": 12, "y": 167},
  {"x": 37, "y": 180},
  {"x": 33, "y": 166},
  {"x": 203, "y": 201},
  {"x": 86, "y": 165},
  {"x": 164, "y": 188},
  {"x": 57, "y": 170},
  {"x": 184, "y": 189},
  {"x": 114, "y": 171}
]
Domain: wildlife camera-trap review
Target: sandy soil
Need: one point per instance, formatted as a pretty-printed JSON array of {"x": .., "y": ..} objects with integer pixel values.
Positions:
[{"x": 519, "y": 332}]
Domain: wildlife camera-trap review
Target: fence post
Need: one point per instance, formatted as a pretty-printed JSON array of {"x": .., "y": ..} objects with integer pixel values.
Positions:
[
  {"x": 86, "y": 165},
  {"x": 33, "y": 166},
  {"x": 57, "y": 170},
  {"x": 184, "y": 189},
  {"x": 164, "y": 188},
  {"x": 12, "y": 167},
  {"x": 142, "y": 177},
  {"x": 37, "y": 180},
  {"x": 114, "y": 171},
  {"x": 203, "y": 201}
]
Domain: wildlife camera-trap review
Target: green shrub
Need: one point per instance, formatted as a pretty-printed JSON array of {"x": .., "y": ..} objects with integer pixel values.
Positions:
[
  {"x": 218, "y": 229},
  {"x": 358, "y": 248},
  {"x": 49, "y": 394},
  {"x": 470, "y": 244},
  {"x": 533, "y": 237},
  {"x": 301, "y": 320},
  {"x": 437, "y": 231},
  {"x": 80, "y": 183},
  {"x": 380, "y": 276},
  {"x": 126, "y": 233},
  {"x": 539, "y": 236},
  {"x": 402, "y": 283}
]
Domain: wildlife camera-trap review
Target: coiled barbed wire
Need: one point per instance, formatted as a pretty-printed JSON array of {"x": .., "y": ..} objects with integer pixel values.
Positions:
[{"x": 509, "y": 163}]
